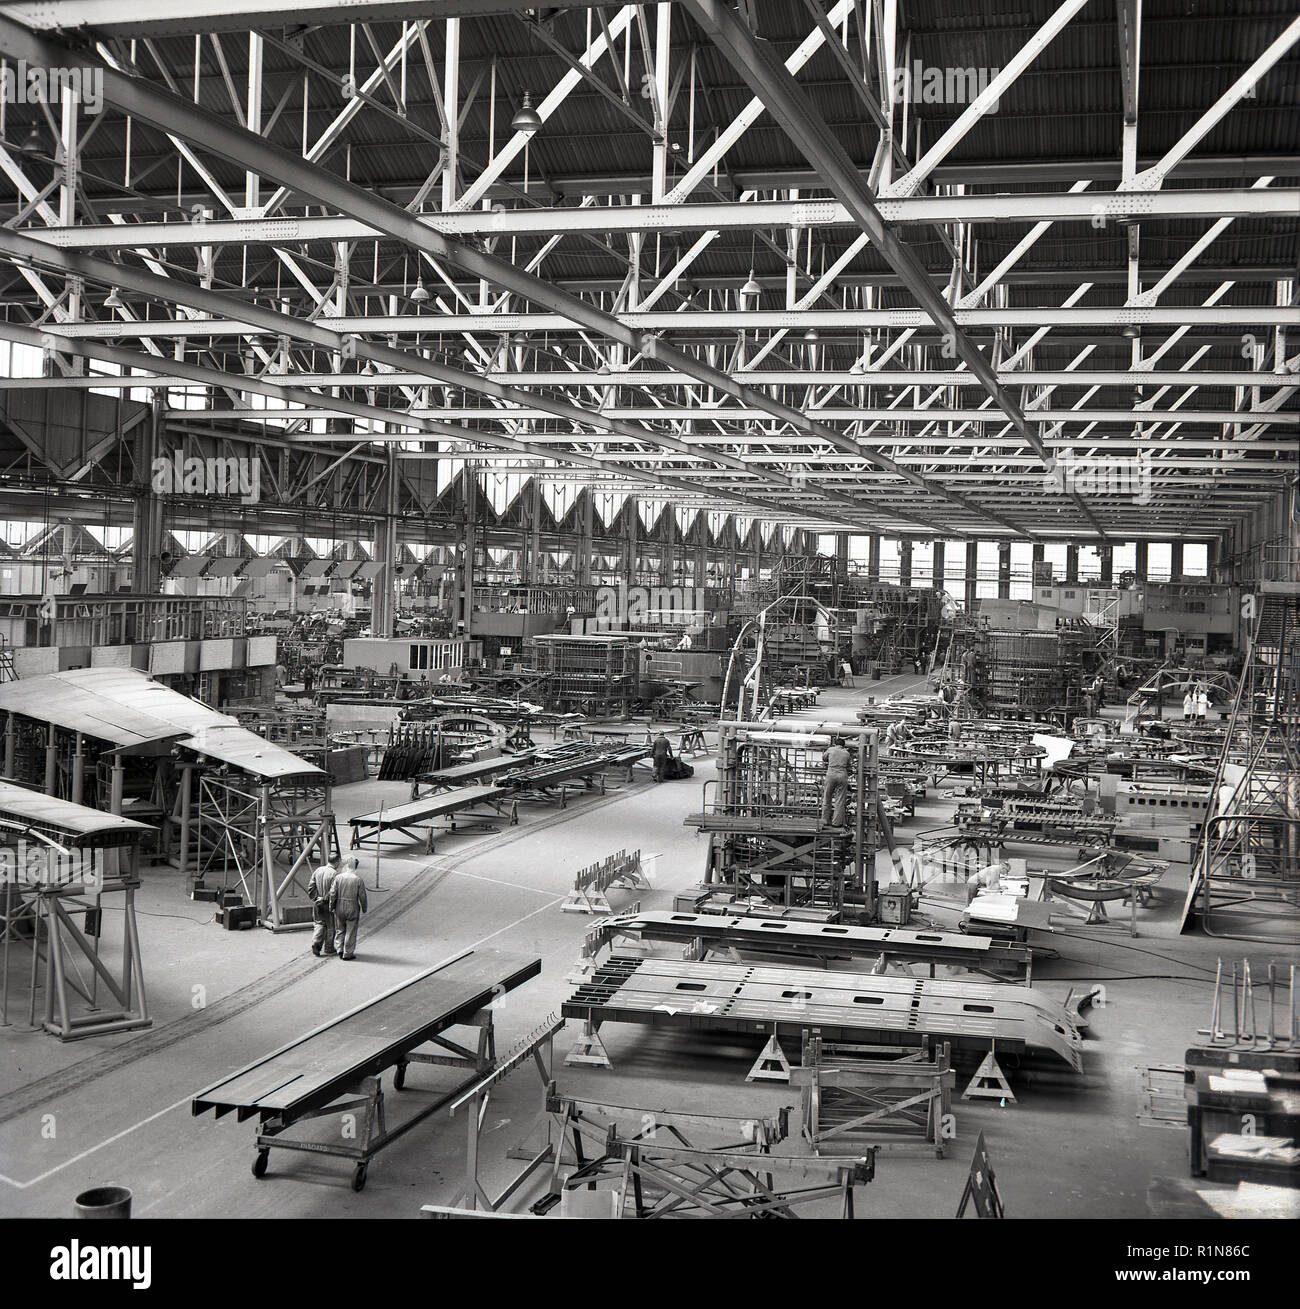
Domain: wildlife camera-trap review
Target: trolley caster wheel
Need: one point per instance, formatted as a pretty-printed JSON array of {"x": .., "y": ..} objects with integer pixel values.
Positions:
[
  {"x": 261, "y": 1162},
  {"x": 359, "y": 1178},
  {"x": 399, "y": 1077}
]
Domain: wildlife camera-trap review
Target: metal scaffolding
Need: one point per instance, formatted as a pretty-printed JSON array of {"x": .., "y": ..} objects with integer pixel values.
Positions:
[
  {"x": 763, "y": 816},
  {"x": 1245, "y": 879},
  {"x": 63, "y": 868}
]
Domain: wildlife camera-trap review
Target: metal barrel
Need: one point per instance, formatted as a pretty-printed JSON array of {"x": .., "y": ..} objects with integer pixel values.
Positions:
[{"x": 103, "y": 1202}]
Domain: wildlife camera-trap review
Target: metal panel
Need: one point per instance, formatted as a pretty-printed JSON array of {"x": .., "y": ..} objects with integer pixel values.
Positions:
[
  {"x": 218, "y": 654},
  {"x": 62, "y": 817},
  {"x": 261, "y": 651},
  {"x": 169, "y": 657}
]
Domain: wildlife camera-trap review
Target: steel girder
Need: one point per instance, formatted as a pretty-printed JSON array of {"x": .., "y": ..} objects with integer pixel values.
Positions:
[
  {"x": 336, "y": 339},
  {"x": 785, "y": 101},
  {"x": 181, "y": 118},
  {"x": 1085, "y": 206}
]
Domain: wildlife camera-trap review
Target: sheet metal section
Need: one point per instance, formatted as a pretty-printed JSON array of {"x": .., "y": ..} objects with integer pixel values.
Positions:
[
  {"x": 130, "y": 711},
  {"x": 67, "y": 821},
  {"x": 788, "y": 1000}
]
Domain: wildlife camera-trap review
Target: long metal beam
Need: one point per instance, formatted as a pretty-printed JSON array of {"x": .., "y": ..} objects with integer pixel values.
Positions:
[
  {"x": 836, "y": 414},
  {"x": 585, "y": 379},
  {"x": 1090, "y": 207},
  {"x": 181, "y": 17},
  {"x": 849, "y": 322}
]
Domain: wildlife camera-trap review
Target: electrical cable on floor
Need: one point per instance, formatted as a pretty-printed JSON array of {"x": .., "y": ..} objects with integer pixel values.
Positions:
[
  {"x": 1133, "y": 977},
  {"x": 1124, "y": 945},
  {"x": 184, "y": 918}
]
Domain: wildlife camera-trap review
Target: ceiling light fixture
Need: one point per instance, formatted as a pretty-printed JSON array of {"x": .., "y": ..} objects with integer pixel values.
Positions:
[
  {"x": 527, "y": 118},
  {"x": 112, "y": 300},
  {"x": 751, "y": 287},
  {"x": 419, "y": 295}
]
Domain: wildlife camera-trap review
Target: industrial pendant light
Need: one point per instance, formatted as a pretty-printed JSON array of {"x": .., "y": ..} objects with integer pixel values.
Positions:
[
  {"x": 751, "y": 287},
  {"x": 112, "y": 300},
  {"x": 419, "y": 295},
  {"x": 31, "y": 143},
  {"x": 527, "y": 118}
]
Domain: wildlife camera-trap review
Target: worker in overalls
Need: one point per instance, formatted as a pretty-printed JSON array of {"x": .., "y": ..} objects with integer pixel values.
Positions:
[
  {"x": 322, "y": 921},
  {"x": 835, "y": 789},
  {"x": 660, "y": 753},
  {"x": 347, "y": 903}
]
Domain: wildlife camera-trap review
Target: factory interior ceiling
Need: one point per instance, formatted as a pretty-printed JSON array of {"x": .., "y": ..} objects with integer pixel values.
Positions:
[{"x": 832, "y": 264}]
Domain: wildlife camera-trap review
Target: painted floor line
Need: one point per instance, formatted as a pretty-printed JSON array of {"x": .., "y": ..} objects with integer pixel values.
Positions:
[
  {"x": 496, "y": 881},
  {"x": 550, "y": 905},
  {"x": 67, "y": 1163}
]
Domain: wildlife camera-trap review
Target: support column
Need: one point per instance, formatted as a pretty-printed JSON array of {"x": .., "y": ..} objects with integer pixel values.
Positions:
[
  {"x": 905, "y": 563},
  {"x": 147, "y": 512},
  {"x": 873, "y": 558},
  {"x": 586, "y": 520},
  {"x": 1071, "y": 564},
  {"x": 469, "y": 545},
  {"x": 972, "y": 574},
  {"x": 382, "y": 603},
  {"x": 1140, "y": 564},
  {"x": 70, "y": 185},
  {"x": 1107, "y": 555},
  {"x": 534, "y": 575},
  {"x": 630, "y": 550},
  {"x": 1004, "y": 570},
  {"x": 78, "y": 771},
  {"x": 936, "y": 567},
  {"x": 1175, "y": 560},
  {"x": 659, "y": 165},
  {"x": 668, "y": 550},
  {"x": 253, "y": 183},
  {"x": 451, "y": 107},
  {"x": 117, "y": 786}
]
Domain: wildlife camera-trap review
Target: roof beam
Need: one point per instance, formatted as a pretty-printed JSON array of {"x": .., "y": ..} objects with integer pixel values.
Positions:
[{"x": 769, "y": 80}]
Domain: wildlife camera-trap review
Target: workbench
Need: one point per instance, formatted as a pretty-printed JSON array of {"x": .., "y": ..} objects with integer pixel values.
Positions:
[
  {"x": 309, "y": 1077},
  {"x": 409, "y": 818}
]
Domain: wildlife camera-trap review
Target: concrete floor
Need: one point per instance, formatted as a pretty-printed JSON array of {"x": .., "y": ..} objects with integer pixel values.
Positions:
[{"x": 115, "y": 1110}]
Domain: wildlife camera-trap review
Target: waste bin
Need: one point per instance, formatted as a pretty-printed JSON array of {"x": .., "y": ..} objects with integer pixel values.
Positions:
[{"x": 103, "y": 1202}]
